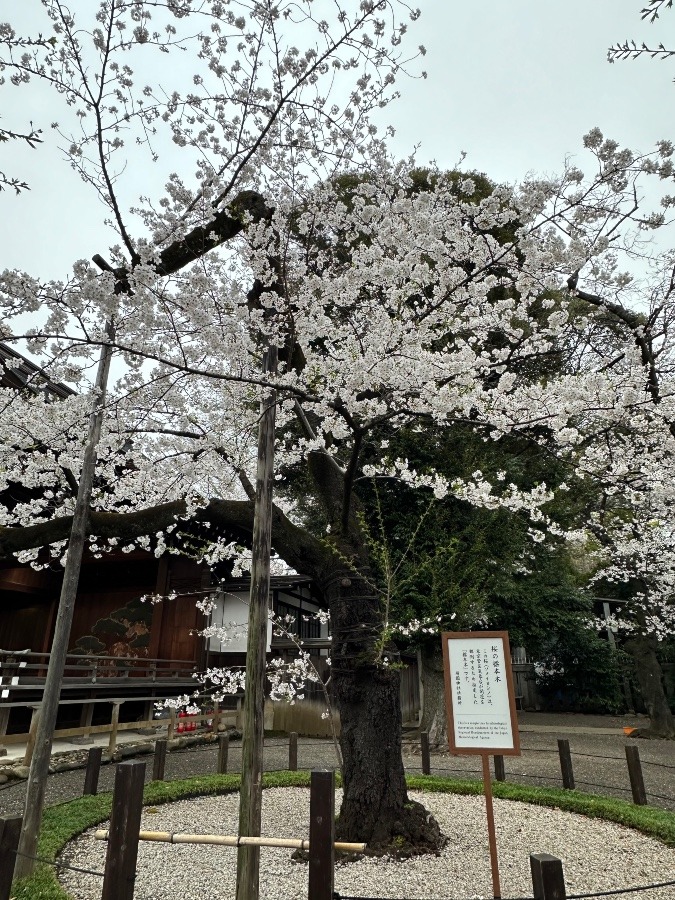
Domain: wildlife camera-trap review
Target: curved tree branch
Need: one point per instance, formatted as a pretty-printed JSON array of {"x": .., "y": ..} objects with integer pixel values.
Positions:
[{"x": 231, "y": 517}]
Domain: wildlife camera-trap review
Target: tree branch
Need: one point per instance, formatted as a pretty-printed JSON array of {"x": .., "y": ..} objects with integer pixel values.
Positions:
[{"x": 234, "y": 518}]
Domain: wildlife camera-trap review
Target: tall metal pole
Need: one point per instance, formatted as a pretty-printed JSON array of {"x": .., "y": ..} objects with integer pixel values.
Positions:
[
  {"x": 250, "y": 800},
  {"x": 39, "y": 768}
]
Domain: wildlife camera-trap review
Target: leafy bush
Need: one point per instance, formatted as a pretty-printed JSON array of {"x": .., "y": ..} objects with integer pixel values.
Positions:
[{"x": 581, "y": 672}]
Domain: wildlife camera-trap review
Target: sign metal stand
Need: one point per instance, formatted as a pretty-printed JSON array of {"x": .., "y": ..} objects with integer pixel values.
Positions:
[{"x": 481, "y": 709}]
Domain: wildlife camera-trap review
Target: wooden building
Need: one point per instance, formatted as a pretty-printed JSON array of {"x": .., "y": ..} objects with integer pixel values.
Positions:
[{"x": 122, "y": 647}]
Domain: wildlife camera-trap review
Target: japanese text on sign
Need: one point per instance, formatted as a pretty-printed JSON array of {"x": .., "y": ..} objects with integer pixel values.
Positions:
[{"x": 479, "y": 686}]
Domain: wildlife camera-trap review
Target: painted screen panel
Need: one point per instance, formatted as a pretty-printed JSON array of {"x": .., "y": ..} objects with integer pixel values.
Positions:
[{"x": 479, "y": 684}]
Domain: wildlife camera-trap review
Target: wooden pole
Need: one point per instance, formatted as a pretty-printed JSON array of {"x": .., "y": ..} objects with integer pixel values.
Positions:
[
  {"x": 500, "y": 771},
  {"x": 39, "y": 769},
  {"x": 112, "y": 743},
  {"x": 223, "y": 750},
  {"x": 293, "y": 751},
  {"x": 321, "y": 835},
  {"x": 86, "y": 717},
  {"x": 93, "y": 770},
  {"x": 250, "y": 795},
  {"x": 171, "y": 727},
  {"x": 548, "y": 882},
  {"x": 426, "y": 755},
  {"x": 637, "y": 784},
  {"x": 492, "y": 837},
  {"x": 120, "y": 863},
  {"x": 32, "y": 736},
  {"x": 566, "y": 764},
  {"x": 159, "y": 762},
  {"x": 10, "y": 829}
]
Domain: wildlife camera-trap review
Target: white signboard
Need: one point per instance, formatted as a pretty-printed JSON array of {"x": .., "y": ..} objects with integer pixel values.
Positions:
[{"x": 479, "y": 693}]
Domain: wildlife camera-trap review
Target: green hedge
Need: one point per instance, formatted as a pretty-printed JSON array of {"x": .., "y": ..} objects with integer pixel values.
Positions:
[{"x": 65, "y": 821}]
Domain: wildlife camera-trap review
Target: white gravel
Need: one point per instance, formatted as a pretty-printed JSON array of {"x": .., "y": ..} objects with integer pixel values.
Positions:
[{"x": 597, "y": 855}]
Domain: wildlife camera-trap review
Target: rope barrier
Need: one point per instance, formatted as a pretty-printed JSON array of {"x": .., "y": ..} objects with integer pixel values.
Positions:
[
  {"x": 338, "y": 896},
  {"x": 57, "y": 864},
  {"x": 645, "y": 762},
  {"x": 630, "y": 890},
  {"x": 611, "y": 787},
  {"x": 615, "y": 891},
  {"x": 661, "y": 797}
]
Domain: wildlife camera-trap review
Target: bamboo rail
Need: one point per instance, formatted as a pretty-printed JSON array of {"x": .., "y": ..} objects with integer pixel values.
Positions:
[{"x": 232, "y": 840}]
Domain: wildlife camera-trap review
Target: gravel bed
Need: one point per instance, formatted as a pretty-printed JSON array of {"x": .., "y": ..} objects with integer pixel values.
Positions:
[{"x": 597, "y": 855}]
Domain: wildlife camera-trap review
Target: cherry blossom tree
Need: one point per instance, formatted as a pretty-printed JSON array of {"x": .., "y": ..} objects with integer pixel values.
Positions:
[
  {"x": 30, "y": 137},
  {"x": 260, "y": 115},
  {"x": 396, "y": 306},
  {"x": 630, "y": 49}
]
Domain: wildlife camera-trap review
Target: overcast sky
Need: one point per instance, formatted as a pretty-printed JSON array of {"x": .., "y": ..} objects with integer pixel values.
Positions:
[{"x": 514, "y": 83}]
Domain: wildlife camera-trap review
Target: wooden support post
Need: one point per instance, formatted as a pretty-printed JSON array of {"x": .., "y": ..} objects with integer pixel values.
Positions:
[
  {"x": 85, "y": 719},
  {"x": 37, "y": 779},
  {"x": 500, "y": 772},
  {"x": 10, "y": 829},
  {"x": 215, "y": 722},
  {"x": 223, "y": 750},
  {"x": 7, "y": 672},
  {"x": 171, "y": 727},
  {"x": 426, "y": 756},
  {"x": 125, "y": 823},
  {"x": 159, "y": 761},
  {"x": 32, "y": 735},
  {"x": 637, "y": 784},
  {"x": 93, "y": 770},
  {"x": 112, "y": 743},
  {"x": 492, "y": 835},
  {"x": 321, "y": 835},
  {"x": 548, "y": 882},
  {"x": 4, "y": 722},
  {"x": 293, "y": 751},
  {"x": 566, "y": 764}
]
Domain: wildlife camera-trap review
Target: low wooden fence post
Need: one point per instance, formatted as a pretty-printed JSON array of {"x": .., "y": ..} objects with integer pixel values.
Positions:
[
  {"x": 500, "y": 772},
  {"x": 10, "y": 829},
  {"x": 321, "y": 835},
  {"x": 112, "y": 743},
  {"x": 426, "y": 756},
  {"x": 637, "y": 784},
  {"x": 566, "y": 764},
  {"x": 92, "y": 771},
  {"x": 548, "y": 881},
  {"x": 223, "y": 750},
  {"x": 293, "y": 751},
  {"x": 159, "y": 762},
  {"x": 125, "y": 823}
]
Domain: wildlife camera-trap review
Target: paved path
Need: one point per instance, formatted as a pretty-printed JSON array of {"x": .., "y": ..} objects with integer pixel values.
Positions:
[{"x": 597, "y": 744}]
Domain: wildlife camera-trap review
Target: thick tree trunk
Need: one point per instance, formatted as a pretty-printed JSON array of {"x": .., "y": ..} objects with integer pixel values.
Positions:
[
  {"x": 650, "y": 679},
  {"x": 375, "y": 806},
  {"x": 434, "y": 721}
]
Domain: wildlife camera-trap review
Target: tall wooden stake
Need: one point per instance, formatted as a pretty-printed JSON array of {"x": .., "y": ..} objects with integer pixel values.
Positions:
[
  {"x": 250, "y": 797},
  {"x": 39, "y": 768},
  {"x": 492, "y": 838}
]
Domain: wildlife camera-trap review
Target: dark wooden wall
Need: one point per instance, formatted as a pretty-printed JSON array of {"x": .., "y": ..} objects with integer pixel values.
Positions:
[{"x": 28, "y": 602}]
